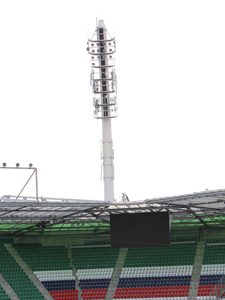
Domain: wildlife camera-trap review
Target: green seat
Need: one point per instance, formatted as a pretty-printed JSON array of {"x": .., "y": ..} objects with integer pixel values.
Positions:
[
  {"x": 172, "y": 255},
  {"x": 214, "y": 254},
  {"x": 46, "y": 258},
  {"x": 17, "y": 279},
  {"x": 3, "y": 295},
  {"x": 97, "y": 257}
]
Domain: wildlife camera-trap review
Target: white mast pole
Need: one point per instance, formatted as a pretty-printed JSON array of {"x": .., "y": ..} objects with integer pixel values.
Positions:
[
  {"x": 107, "y": 158},
  {"x": 103, "y": 80}
]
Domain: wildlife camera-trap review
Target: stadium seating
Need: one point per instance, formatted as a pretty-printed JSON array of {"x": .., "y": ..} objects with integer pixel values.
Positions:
[
  {"x": 47, "y": 258},
  {"x": 213, "y": 268},
  {"x": 52, "y": 266},
  {"x": 171, "y": 298},
  {"x": 95, "y": 268},
  {"x": 97, "y": 257},
  {"x": 157, "y": 272},
  {"x": 17, "y": 279},
  {"x": 148, "y": 273},
  {"x": 3, "y": 295}
]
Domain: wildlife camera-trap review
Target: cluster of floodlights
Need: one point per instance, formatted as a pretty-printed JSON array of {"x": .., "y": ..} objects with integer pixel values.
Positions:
[{"x": 17, "y": 165}]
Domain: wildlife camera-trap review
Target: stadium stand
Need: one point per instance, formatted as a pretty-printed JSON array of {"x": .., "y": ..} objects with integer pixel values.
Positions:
[
  {"x": 95, "y": 268},
  {"x": 159, "y": 273},
  {"x": 17, "y": 279},
  {"x": 213, "y": 268},
  {"x": 86, "y": 267},
  {"x": 52, "y": 267}
]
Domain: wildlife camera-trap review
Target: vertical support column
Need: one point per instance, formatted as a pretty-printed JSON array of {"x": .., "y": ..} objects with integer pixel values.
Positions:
[
  {"x": 74, "y": 272},
  {"x": 196, "y": 271},
  {"x": 116, "y": 274}
]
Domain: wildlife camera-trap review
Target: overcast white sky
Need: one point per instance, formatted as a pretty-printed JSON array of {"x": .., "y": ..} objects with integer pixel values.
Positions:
[{"x": 170, "y": 64}]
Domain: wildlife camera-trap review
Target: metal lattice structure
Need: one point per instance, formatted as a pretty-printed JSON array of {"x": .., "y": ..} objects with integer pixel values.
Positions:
[{"x": 26, "y": 214}]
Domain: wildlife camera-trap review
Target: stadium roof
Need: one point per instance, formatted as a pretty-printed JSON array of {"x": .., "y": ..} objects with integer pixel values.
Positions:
[{"x": 22, "y": 215}]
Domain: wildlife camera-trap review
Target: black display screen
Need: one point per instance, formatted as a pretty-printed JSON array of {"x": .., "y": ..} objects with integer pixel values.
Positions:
[{"x": 140, "y": 229}]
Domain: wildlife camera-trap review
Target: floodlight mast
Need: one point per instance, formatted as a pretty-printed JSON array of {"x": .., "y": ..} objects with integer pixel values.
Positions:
[{"x": 102, "y": 47}]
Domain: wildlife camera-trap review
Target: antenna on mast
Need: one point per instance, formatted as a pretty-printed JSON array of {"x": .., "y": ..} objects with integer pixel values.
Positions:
[{"x": 101, "y": 48}]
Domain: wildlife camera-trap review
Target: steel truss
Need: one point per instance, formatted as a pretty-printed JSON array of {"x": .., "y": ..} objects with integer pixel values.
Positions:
[{"x": 46, "y": 212}]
